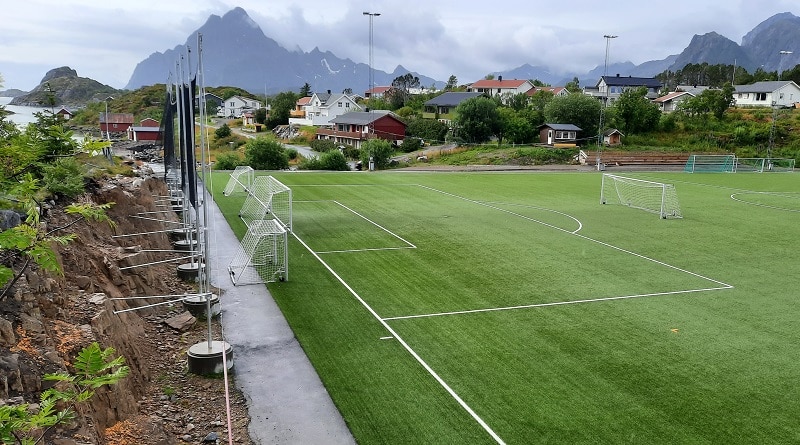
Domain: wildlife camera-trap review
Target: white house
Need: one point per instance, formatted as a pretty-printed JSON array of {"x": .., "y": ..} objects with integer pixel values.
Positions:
[
  {"x": 323, "y": 107},
  {"x": 500, "y": 87},
  {"x": 236, "y": 105},
  {"x": 781, "y": 93}
]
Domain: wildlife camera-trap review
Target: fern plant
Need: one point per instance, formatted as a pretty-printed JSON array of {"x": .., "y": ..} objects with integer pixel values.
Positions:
[{"x": 94, "y": 368}]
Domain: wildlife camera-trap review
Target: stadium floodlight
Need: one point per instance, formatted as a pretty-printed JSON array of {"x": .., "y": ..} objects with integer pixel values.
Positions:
[{"x": 650, "y": 196}]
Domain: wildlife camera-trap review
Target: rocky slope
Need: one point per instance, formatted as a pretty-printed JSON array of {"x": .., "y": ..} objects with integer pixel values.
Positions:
[{"x": 47, "y": 319}]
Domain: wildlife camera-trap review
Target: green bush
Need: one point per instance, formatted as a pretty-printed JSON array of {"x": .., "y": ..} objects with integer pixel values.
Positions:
[
  {"x": 351, "y": 152},
  {"x": 411, "y": 144},
  {"x": 291, "y": 153},
  {"x": 380, "y": 150},
  {"x": 228, "y": 161},
  {"x": 223, "y": 131},
  {"x": 64, "y": 177},
  {"x": 332, "y": 160},
  {"x": 265, "y": 154},
  {"x": 322, "y": 145}
]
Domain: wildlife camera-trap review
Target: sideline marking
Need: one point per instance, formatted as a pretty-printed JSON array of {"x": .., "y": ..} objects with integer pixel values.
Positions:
[
  {"x": 780, "y": 194},
  {"x": 408, "y": 348}
]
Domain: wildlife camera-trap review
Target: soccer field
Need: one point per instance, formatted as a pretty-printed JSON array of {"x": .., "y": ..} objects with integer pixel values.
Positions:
[{"x": 515, "y": 308}]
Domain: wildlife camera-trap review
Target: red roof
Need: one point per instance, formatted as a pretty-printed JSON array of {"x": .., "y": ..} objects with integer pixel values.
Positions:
[
  {"x": 495, "y": 83},
  {"x": 304, "y": 100},
  {"x": 378, "y": 90},
  {"x": 671, "y": 96}
]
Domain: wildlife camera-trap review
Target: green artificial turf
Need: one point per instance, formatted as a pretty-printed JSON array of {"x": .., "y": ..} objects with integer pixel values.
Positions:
[{"x": 553, "y": 318}]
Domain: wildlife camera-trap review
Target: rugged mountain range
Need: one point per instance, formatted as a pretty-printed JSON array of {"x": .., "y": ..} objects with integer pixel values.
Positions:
[
  {"x": 760, "y": 47},
  {"x": 237, "y": 53}
]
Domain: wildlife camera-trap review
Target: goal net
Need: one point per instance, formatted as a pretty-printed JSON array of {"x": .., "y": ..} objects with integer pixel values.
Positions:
[
  {"x": 710, "y": 163},
  {"x": 241, "y": 180},
  {"x": 268, "y": 198},
  {"x": 654, "y": 197},
  {"x": 262, "y": 256}
]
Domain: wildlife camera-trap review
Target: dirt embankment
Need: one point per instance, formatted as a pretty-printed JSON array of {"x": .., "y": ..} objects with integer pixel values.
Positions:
[{"x": 47, "y": 319}]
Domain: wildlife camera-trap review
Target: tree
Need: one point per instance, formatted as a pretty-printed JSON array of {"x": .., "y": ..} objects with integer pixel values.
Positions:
[
  {"x": 452, "y": 83},
  {"x": 281, "y": 104},
  {"x": 25, "y": 424},
  {"x": 577, "y": 109},
  {"x": 477, "y": 119},
  {"x": 380, "y": 150},
  {"x": 426, "y": 129},
  {"x": 401, "y": 87},
  {"x": 636, "y": 113},
  {"x": 573, "y": 86},
  {"x": 265, "y": 154},
  {"x": 260, "y": 115},
  {"x": 305, "y": 90},
  {"x": 514, "y": 128}
]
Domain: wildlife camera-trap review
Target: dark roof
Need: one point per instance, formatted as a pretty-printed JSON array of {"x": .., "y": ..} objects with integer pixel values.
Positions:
[
  {"x": 762, "y": 87},
  {"x": 611, "y": 131},
  {"x": 562, "y": 127},
  {"x": 451, "y": 98},
  {"x": 145, "y": 129},
  {"x": 621, "y": 81},
  {"x": 362, "y": 117}
]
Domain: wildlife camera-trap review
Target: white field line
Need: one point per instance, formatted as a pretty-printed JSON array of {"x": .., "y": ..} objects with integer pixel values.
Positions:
[
  {"x": 733, "y": 197},
  {"x": 721, "y": 284},
  {"x": 375, "y": 249},
  {"x": 557, "y": 303},
  {"x": 577, "y": 221},
  {"x": 405, "y": 345}
]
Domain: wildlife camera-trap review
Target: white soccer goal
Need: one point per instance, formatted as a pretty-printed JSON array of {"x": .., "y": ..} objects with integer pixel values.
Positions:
[
  {"x": 654, "y": 197},
  {"x": 268, "y": 198},
  {"x": 263, "y": 254},
  {"x": 241, "y": 180},
  {"x": 710, "y": 163}
]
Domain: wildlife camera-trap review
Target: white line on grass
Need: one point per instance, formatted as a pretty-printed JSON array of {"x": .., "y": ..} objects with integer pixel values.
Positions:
[
  {"x": 781, "y": 194},
  {"x": 557, "y": 303},
  {"x": 491, "y": 206},
  {"x": 722, "y": 285},
  {"x": 405, "y": 345},
  {"x": 577, "y": 221},
  {"x": 378, "y": 225}
]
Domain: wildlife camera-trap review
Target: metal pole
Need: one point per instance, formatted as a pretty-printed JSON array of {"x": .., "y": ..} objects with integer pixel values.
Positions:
[
  {"x": 608, "y": 38},
  {"x": 371, "y": 74}
]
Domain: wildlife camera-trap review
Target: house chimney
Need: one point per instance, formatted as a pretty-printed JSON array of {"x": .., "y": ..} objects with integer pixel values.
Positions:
[
  {"x": 329, "y": 91},
  {"x": 500, "y": 78},
  {"x": 617, "y": 74}
]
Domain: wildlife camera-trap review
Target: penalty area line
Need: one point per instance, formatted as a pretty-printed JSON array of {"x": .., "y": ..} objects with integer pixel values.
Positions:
[{"x": 557, "y": 303}]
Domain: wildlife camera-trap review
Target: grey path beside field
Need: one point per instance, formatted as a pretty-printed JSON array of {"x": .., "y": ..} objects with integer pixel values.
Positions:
[{"x": 287, "y": 402}]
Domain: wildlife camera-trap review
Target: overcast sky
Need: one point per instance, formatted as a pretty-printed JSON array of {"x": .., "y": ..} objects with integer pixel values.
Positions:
[{"x": 104, "y": 40}]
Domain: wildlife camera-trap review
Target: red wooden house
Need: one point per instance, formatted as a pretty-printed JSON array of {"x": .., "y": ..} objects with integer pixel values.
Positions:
[
  {"x": 117, "y": 122},
  {"x": 355, "y": 127},
  {"x": 147, "y": 130}
]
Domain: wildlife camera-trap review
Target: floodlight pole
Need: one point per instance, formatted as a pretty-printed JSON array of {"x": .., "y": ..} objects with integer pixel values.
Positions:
[
  {"x": 371, "y": 16},
  {"x": 608, "y": 38},
  {"x": 775, "y": 106}
]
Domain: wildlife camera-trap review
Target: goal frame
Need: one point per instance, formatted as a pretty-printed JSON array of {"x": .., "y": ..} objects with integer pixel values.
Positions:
[
  {"x": 263, "y": 254},
  {"x": 661, "y": 199},
  {"x": 268, "y": 198},
  {"x": 710, "y": 163},
  {"x": 241, "y": 180}
]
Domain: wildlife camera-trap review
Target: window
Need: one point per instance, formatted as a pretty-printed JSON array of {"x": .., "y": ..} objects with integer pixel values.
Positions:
[
  {"x": 780, "y": 96},
  {"x": 347, "y": 104},
  {"x": 760, "y": 96},
  {"x": 340, "y": 104}
]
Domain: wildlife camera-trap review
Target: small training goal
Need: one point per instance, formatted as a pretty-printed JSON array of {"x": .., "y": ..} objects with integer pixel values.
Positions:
[
  {"x": 262, "y": 255},
  {"x": 268, "y": 198},
  {"x": 650, "y": 196},
  {"x": 710, "y": 163},
  {"x": 241, "y": 180}
]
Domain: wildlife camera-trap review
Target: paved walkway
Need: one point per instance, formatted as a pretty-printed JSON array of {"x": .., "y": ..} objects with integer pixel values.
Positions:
[{"x": 288, "y": 403}]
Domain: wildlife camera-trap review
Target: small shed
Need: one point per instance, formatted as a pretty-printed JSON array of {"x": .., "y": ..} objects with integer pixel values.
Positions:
[
  {"x": 558, "y": 134},
  {"x": 64, "y": 113},
  {"x": 147, "y": 130},
  {"x": 612, "y": 137}
]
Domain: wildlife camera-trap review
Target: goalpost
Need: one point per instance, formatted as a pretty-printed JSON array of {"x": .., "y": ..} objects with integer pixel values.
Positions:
[
  {"x": 241, "y": 180},
  {"x": 262, "y": 255},
  {"x": 710, "y": 163},
  {"x": 268, "y": 198},
  {"x": 654, "y": 197}
]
